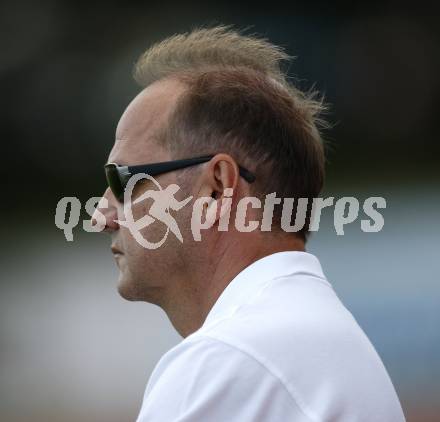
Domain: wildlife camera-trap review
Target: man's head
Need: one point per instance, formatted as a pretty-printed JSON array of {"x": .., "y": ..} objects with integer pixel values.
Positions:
[{"x": 211, "y": 92}]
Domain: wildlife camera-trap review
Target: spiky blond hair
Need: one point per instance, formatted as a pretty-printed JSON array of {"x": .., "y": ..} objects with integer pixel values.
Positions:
[
  {"x": 224, "y": 47},
  {"x": 209, "y": 48}
]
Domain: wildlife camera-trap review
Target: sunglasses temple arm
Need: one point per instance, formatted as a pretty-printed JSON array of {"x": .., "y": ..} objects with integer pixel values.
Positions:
[{"x": 246, "y": 175}]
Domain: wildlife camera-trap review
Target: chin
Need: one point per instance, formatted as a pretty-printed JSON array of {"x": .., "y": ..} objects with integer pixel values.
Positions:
[
  {"x": 127, "y": 290},
  {"x": 137, "y": 289}
]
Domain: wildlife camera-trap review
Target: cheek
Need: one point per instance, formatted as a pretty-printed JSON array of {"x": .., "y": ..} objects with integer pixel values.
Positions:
[
  {"x": 155, "y": 230},
  {"x": 142, "y": 208},
  {"x": 152, "y": 233},
  {"x": 183, "y": 219}
]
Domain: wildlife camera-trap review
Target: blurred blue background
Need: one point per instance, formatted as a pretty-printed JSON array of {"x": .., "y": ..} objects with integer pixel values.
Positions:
[{"x": 71, "y": 348}]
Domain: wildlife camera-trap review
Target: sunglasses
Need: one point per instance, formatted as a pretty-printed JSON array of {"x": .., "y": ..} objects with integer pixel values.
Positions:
[{"x": 118, "y": 176}]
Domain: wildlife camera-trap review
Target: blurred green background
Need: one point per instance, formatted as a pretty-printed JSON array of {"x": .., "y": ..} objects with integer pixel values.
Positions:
[{"x": 71, "y": 349}]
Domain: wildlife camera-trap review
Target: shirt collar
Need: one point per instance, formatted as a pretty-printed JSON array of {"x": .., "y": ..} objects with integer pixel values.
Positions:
[{"x": 253, "y": 278}]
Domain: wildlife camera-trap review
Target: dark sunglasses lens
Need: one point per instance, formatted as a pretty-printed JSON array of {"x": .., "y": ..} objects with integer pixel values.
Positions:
[{"x": 112, "y": 176}]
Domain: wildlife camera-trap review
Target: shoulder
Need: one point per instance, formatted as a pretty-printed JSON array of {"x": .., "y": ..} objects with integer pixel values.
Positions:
[
  {"x": 306, "y": 339},
  {"x": 209, "y": 359},
  {"x": 205, "y": 374}
]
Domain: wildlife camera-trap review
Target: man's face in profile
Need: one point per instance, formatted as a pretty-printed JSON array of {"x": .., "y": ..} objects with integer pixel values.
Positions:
[{"x": 142, "y": 270}]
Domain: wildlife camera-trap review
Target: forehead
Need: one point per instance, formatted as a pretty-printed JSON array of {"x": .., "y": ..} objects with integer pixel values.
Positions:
[{"x": 136, "y": 133}]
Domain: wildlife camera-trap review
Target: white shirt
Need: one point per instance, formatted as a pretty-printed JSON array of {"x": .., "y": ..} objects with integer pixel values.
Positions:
[{"x": 277, "y": 346}]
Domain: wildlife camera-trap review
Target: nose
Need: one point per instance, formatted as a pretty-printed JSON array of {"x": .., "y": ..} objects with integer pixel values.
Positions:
[{"x": 106, "y": 212}]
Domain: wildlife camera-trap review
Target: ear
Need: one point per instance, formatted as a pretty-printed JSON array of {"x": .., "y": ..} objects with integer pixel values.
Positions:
[{"x": 219, "y": 180}]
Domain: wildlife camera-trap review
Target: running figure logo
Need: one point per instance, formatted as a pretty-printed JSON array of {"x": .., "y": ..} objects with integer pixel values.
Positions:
[{"x": 164, "y": 200}]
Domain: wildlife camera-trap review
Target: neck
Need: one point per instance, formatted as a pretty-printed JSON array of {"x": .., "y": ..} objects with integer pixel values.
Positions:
[{"x": 189, "y": 303}]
